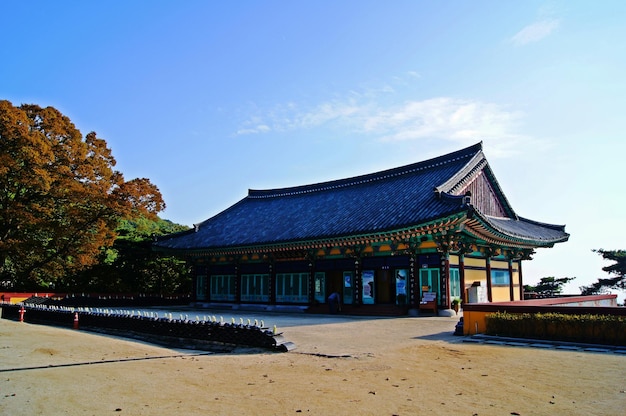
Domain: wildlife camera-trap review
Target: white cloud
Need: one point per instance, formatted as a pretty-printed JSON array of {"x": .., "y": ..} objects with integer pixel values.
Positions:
[
  {"x": 452, "y": 119},
  {"x": 327, "y": 113},
  {"x": 535, "y": 32},
  {"x": 448, "y": 117},
  {"x": 373, "y": 114},
  {"x": 289, "y": 117},
  {"x": 260, "y": 128}
]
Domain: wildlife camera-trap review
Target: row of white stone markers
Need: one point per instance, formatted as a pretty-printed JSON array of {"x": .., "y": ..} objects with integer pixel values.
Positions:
[{"x": 163, "y": 328}]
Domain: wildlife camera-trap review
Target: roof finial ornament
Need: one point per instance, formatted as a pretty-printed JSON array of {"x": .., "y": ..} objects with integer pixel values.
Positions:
[
  {"x": 196, "y": 227},
  {"x": 467, "y": 199}
]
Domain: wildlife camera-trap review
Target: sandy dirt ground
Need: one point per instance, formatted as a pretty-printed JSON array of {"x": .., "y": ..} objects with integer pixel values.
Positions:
[{"x": 401, "y": 366}]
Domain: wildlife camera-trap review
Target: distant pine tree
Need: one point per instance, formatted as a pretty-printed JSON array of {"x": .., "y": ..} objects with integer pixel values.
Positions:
[
  {"x": 617, "y": 270},
  {"x": 549, "y": 286}
]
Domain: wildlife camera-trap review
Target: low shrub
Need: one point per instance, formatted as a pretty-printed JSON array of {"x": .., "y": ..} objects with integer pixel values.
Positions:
[{"x": 587, "y": 328}]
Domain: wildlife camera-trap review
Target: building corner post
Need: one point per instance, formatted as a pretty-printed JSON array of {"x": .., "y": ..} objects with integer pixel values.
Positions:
[
  {"x": 511, "y": 284},
  {"x": 446, "y": 280},
  {"x": 488, "y": 272},
  {"x": 462, "y": 277},
  {"x": 357, "y": 280}
]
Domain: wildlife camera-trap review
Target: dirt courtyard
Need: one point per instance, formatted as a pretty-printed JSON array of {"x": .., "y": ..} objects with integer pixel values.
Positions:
[{"x": 395, "y": 366}]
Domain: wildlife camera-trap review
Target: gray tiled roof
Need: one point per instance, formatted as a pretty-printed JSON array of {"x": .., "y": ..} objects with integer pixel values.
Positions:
[
  {"x": 527, "y": 229},
  {"x": 382, "y": 201}
]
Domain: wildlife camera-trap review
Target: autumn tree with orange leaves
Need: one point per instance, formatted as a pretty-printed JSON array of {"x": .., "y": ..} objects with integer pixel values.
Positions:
[{"x": 60, "y": 198}]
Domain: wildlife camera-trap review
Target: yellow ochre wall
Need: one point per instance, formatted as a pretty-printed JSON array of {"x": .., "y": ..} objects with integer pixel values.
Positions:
[
  {"x": 474, "y": 322},
  {"x": 501, "y": 293},
  {"x": 496, "y": 264},
  {"x": 498, "y": 293},
  {"x": 472, "y": 275},
  {"x": 472, "y": 262}
]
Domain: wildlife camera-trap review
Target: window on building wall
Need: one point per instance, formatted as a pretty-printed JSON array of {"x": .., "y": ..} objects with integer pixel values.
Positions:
[
  {"x": 320, "y": 287},
  {"x": 401, "y": 286},
  {"x": 367, "y": 286},
  {"x": 255, "y": 288},
  {"x": 223, "y": 288},
  {"x": 348, "y": 287},
  {"x": 500, "y": 277},
  {"x": 430, "y": 281},
  {"x": 201, "y": 287},
  {"x": 292, "y": 287},
  {"x": 455, "y": 283}
]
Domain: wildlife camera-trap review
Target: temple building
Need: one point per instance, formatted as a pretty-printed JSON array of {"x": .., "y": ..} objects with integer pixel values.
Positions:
[{"x": 387, "y": 243}]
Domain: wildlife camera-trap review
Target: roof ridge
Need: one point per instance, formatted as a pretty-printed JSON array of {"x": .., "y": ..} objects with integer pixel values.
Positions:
[
  {"x": 470, "y": 152},
  {"x": 459, "y": 179},
  {"x": 477, "y": 163}
]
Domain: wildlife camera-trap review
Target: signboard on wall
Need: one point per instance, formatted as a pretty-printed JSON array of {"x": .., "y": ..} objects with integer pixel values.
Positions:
[
  {"x": 367, "y": 279},
  {"x": 401, "y": 285}
]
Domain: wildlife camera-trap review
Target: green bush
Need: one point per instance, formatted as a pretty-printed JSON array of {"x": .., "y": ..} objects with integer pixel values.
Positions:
[{"x": 588, "y": 328}]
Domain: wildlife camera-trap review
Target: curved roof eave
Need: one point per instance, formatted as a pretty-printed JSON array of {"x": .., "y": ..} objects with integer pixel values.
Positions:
[{"x": 519, "y": 232}]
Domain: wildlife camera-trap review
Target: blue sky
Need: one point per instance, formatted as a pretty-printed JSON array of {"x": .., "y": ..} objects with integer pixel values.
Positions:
[{"x": 208, "y": 99}]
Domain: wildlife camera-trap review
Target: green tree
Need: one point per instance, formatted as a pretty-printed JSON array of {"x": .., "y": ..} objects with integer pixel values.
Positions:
[
  {"x": 549, "y": 286},
  {"x": 130, "y": 264},
  {"x": 150, "y": 271},
  {"x": 60, "y": 198},
  {"x": 617, "y": 270}
]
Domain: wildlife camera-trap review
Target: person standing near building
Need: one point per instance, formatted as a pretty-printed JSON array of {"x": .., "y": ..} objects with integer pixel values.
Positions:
[{"x": 334, "y": 304}]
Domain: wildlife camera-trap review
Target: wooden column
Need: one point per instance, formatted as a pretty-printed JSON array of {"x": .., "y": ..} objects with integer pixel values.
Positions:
[
  {"x": 462, "y": 276},
  {"x": 446, "y": 280},
  {"x": 511, "y": 289},
  {"x": 311, "y": 296},
  {"x": 272, "y": 284},
  {"x": 237, "y": 284},
  {"x": 356, "y": 297},
  {"x": 413, "y": 286},
  {"x": 488, "y": 270},
  {"x": 521, "y": 281}
]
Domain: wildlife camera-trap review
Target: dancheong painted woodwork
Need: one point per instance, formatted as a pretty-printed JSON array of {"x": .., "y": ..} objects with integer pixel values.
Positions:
[{"x": 376, "y": 242}]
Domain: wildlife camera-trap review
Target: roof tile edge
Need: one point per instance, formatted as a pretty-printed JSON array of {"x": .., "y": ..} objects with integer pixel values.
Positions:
[{"x": 468, "y": 152}]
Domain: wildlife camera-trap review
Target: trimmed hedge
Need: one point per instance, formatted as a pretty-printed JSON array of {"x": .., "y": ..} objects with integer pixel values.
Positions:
[{"x": 587, "y": 328}]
